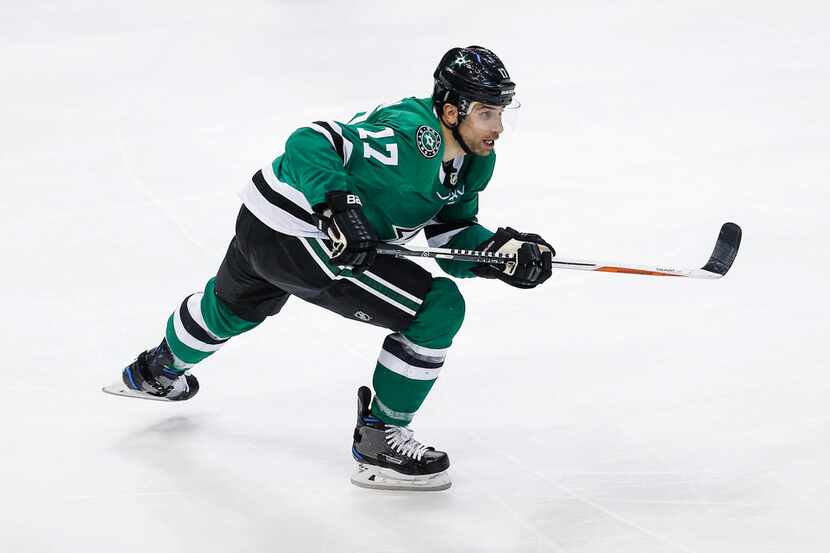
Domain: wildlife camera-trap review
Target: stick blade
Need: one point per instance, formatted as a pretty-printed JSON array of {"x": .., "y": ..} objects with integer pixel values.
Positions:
[{"x": 726, "y": 249}]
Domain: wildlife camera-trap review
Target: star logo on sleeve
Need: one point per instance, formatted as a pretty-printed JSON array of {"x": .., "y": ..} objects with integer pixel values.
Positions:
[{"x": 428, "y": 141}]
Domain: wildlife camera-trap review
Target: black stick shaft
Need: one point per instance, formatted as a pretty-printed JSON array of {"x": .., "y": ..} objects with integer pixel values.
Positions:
[{"x": 451, "y": 254}]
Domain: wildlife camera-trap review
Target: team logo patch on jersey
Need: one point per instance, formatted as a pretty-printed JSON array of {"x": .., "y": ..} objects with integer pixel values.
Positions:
[
  {"x": 363, "y": 316},
  {"x": 428, "y": 141}
]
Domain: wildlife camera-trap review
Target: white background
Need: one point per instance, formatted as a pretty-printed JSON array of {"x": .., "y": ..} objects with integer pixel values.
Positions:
[{"x": 599, "y": 413}]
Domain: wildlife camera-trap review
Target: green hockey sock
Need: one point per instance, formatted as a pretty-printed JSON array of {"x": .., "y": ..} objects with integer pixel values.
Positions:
[
  {"x": 201, "y": 326},
  {"x": 411, "y": 360}
]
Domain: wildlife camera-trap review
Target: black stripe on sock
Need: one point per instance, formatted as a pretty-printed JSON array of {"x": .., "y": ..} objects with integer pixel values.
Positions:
[
  {"x": 193, "y": 328},
  {"x": 279, "y": 200},
  {"x": 338, "y": 140},
  {"x": 398, "y": 350}
]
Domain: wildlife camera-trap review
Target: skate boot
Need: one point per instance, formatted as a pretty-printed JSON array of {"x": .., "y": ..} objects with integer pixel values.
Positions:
[
  {"x": 152, "y": 374},
  {"x": 390, "y": 458}
]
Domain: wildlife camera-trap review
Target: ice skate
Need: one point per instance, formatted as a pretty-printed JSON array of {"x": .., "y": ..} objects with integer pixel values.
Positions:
[
  {"x": 151, "y": 376},
  {"x": 389, "y": 458}
]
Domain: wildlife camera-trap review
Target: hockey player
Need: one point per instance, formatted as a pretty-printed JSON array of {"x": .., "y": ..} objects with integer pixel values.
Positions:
[{"x": 309, "y": 227}]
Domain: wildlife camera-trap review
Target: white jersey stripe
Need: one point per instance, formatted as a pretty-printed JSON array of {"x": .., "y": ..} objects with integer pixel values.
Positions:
[
  {"x": 441, "y": 240},
  {"x": 324, "y": 132},
  {"x": 286, "y": 190},
  {"x": 361, "y": 118},
  {"x": 347, "y": 145},
  {"x": 358, "y": 119},
  {"x": 274, "y": 217}
]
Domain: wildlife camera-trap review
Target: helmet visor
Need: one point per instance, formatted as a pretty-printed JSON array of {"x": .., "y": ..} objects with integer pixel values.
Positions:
[{"x": 491, "y": 118}]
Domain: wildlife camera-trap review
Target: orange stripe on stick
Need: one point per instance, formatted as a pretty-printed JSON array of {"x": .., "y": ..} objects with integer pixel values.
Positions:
[{"x": 633, "y": 271}]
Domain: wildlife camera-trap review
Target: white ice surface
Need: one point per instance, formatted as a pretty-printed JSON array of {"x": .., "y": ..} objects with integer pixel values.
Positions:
[{"x": 599, "y": 413}]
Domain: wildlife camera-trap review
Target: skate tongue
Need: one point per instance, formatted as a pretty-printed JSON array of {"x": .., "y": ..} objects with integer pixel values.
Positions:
[{"x": 364, "y": 399}]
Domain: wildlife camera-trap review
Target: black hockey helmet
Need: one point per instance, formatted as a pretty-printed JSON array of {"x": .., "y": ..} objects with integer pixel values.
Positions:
[{"x": 471, "y": 74}]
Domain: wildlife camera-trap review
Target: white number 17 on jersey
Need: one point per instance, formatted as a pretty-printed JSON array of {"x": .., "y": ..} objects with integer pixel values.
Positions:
[{"x": 391, "y": 155}]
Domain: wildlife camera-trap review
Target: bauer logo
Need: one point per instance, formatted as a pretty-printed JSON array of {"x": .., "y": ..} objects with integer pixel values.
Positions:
[
  {"x": 428, "y": 141},
  {"x": 390, "y": 459}
]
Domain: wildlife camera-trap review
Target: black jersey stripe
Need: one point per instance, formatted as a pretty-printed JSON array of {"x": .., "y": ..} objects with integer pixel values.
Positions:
[
  {"x": 280, "y": 201},
  {"x": 336, "y": 138},
  {"x": 193, "y": 328}
]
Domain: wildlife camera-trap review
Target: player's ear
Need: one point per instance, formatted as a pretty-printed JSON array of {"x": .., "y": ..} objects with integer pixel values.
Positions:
[{"x": 450, "y": 115}]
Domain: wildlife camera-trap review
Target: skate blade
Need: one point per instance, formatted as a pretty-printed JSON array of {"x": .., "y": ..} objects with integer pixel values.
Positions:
[
  {"x": 119, "y": 389},
  {"x": 379, "y": 478}
]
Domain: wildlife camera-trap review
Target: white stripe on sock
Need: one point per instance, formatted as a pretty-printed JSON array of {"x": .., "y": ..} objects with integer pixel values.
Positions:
[
  {"x": 400, "y": 415},
  {"x": 439, "y": 354},
  {"x": 194, "y": 307},
  {"x": 187, "y": 339},
  {"x": 406, "y": 370}
]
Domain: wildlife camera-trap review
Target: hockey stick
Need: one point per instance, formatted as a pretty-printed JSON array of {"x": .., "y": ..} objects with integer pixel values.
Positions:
[{"x": 726, "y": 249}]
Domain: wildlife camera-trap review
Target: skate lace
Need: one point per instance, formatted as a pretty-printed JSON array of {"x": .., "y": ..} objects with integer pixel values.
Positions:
[
  {"x": 401, "y": 439},
  {"x": 170, "y": 382}
]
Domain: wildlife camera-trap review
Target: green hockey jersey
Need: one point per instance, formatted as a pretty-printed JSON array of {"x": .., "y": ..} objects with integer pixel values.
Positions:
[{"x": 391, "y": 158}]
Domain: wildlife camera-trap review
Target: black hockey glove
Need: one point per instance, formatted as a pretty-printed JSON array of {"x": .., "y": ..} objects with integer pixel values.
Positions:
[
  {"x": 354, "y": 241},
  {"x": 533, "y": 258}
]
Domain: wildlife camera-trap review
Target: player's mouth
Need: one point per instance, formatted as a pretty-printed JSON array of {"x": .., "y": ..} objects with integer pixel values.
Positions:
[{"x": 489, "y": 143}]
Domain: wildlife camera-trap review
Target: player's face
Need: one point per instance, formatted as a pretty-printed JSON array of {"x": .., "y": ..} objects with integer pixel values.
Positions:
[{"x": 482, "y": 127}]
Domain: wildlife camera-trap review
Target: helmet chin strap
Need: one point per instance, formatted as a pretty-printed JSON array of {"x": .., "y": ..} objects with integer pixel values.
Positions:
[{"x": 457, "y": 135}]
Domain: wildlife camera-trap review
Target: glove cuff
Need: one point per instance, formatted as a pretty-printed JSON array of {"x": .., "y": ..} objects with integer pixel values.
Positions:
[{"x": 342, "y": 200}]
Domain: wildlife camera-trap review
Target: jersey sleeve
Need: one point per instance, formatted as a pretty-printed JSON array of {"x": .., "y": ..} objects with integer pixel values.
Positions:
[
  {"x": 456, "y": 226},
  {"x": 314, "y": 160}
]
